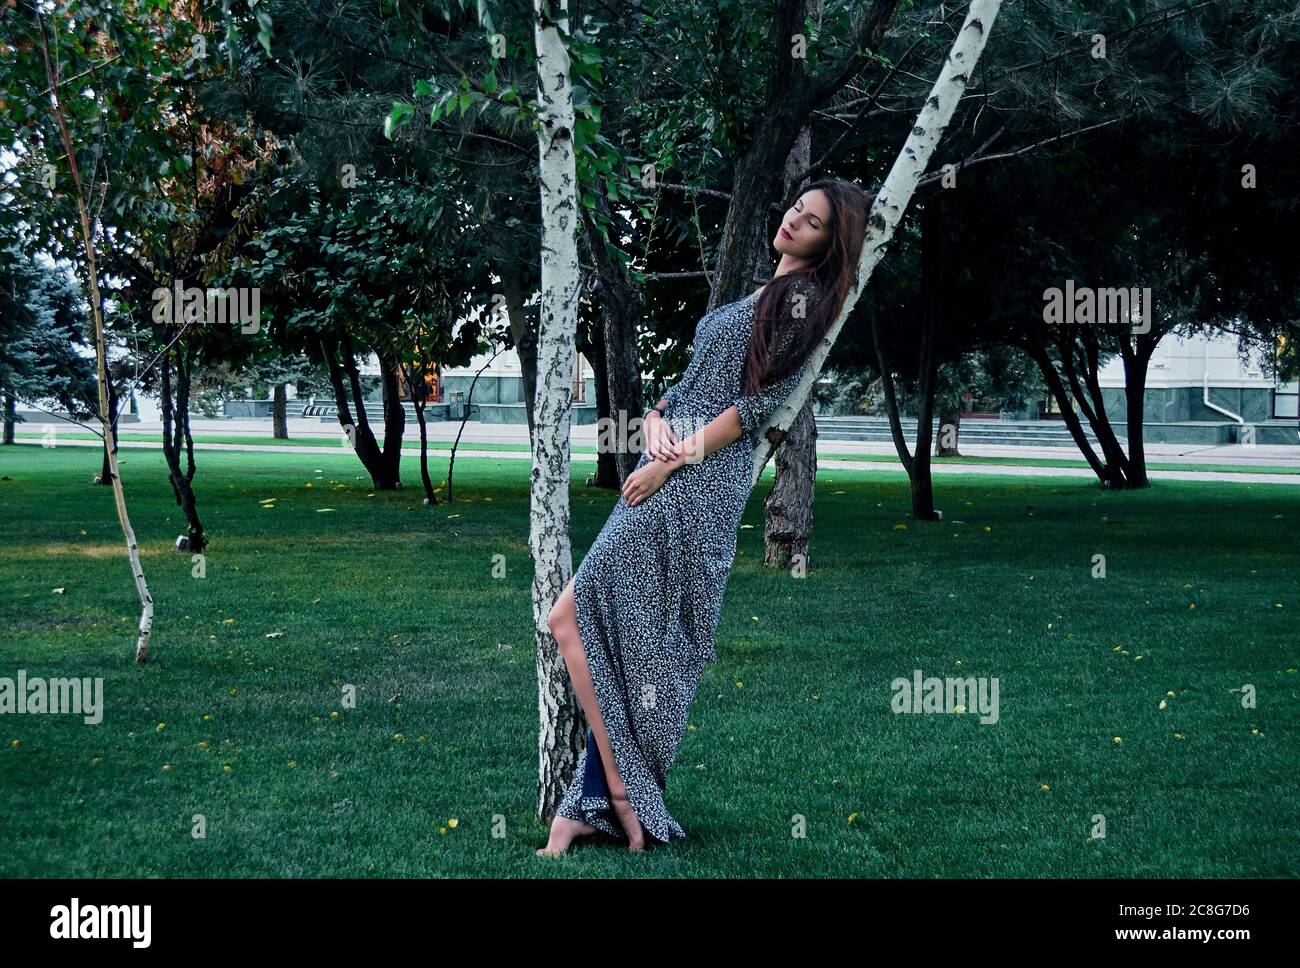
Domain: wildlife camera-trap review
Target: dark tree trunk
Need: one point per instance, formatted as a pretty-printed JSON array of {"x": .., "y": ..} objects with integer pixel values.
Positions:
[
  {"x": 934, "y": 279},
  {"x": 176, "y": 434},
  {"x": 788, "y": 508},
  {"x": 616, "y": 358},
  {"x": 451, "y": 458},
  {"x": 1135, "y": 391},
  {"x": 744, "y": 239},
  {"x": 791, "y": 96},
  {"x": 342, "y": 408},
  {"x": 11, "y": 410},
  {"x": 343, "y": 365},
  {"x": 891, "y": 400},
  {"x": 920, "y": 472},
  {"x": 394, "y": 423},
  {"x": 918, "y": 467},
  {"x": 1117, "y": 464},
  {"x": 524, "y": 335},
  {"x": 198, "y": 537},
  {"x": 279, "y": 414},
  {"x": 610, "y": 468},
  {"x": 430, "y": 498},
  {"x": 945, "y": 445},
  {"x": 1038, "y": 353},
  {"x": 1094, "y": 411}
]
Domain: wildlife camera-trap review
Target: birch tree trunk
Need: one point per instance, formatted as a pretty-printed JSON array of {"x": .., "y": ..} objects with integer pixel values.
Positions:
[
  {"x": 891, "y": 202},
  {"x": 560, "y": 736},
  {"x": 101, "y": 357}
]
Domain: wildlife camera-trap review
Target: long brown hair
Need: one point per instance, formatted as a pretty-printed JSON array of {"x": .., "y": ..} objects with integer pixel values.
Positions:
[{"x": 780, "y": 341}]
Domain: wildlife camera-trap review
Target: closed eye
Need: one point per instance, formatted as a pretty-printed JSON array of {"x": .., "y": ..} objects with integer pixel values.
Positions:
[{"x": 813, "y": 220}]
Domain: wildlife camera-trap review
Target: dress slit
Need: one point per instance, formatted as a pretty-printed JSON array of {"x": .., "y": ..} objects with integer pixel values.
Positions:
[{"x": 588, "y": 799}]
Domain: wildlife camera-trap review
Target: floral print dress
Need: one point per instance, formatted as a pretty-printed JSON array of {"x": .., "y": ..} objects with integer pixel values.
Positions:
[{"x": 649, "y": 592}]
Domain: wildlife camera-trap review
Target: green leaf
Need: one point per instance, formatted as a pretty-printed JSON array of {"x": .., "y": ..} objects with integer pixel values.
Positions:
[{"x": 397, "y": 117}]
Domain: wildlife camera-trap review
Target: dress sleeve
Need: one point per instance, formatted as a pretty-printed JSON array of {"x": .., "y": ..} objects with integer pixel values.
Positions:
[
  {"x": 755, "y": 409},
  {"x": 672, "y": 393}
]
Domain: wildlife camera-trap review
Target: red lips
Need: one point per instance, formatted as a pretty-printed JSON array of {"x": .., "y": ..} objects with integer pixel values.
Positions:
[{"x": 785, "y": 233}]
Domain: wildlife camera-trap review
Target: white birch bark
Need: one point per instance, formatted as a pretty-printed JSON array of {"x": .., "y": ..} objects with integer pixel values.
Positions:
[
  {"x": 101, "y": 358},
  {"x": 548, "y": 523},
  {"x": 893, "y": 197}
]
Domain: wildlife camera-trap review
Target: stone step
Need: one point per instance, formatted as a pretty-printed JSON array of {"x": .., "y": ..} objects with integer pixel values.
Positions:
[{"x": 1011, "y": 433}]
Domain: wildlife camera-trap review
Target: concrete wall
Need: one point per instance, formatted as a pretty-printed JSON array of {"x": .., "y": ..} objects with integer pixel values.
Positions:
[
  {"x": 499, "y": 389},
  {"x": 1175, "y": 404}
]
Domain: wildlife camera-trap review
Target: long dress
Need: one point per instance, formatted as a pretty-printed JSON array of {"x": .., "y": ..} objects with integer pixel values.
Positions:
[{"x": 649, "y": 592}]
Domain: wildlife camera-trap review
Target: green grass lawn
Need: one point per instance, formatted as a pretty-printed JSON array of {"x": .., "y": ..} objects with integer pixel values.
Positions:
[{"x": 794, "y": 720}]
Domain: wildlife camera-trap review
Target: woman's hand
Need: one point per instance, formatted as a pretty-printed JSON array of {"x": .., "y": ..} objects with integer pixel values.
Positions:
[
  {"x": 645, "y": 480},
  {"x": 661, "y": 442}
]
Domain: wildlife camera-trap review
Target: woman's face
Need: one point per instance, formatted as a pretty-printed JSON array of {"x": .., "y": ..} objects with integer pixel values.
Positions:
[{"x": 806, "y": 229}]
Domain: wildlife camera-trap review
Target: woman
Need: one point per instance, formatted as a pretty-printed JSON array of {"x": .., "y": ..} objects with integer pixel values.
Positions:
[{"x": 636, "y": 623}]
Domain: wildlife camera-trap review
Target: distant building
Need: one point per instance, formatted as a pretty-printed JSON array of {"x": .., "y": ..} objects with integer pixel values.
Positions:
[
  {"x": 499, "y": 392},
  {"x": 1199, "y": 391}
]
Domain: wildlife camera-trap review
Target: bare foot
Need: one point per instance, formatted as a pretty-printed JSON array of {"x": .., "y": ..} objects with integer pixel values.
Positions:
[
  {"x": 630, "y": 821},
  {"x": 564, "y": 830}
]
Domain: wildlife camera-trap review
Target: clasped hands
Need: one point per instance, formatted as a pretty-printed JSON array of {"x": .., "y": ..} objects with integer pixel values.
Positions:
[{"x": 666, "y": 455}]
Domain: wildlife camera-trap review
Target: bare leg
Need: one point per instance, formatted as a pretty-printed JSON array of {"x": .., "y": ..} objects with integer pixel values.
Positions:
[
  {"x": 564, "y": 830},
  {"x": 563, "y": 623}
]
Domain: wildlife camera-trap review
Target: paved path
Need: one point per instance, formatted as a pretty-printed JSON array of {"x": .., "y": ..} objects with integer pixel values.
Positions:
[
  {"x": 302, "y": 428},
  {"x": 1014, "y": 470}
]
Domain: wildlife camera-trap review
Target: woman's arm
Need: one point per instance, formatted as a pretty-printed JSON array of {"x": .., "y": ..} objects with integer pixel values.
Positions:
[
  {"x": 722, "y": 430},
  {"x": 714, "y": 435},
  {"x": 742, "y": 418}
]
